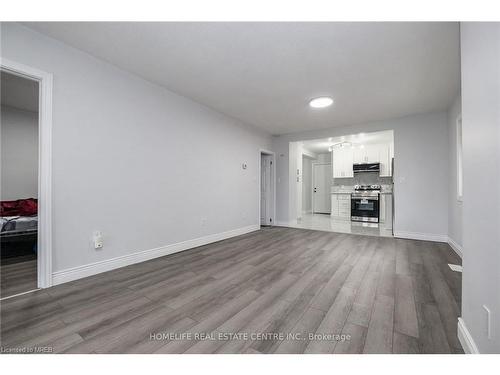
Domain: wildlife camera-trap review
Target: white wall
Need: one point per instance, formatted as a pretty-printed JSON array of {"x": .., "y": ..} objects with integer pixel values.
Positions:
[
  {"x": 135, "y": 160},
  {"x": 421, "y": 169},
  {"x": 306, "y": 184},
  {"x": 480, "y": 50},
  {"x": 19, "y": 154},
  {"x": 454, "y": 205},
  {"x": 325, "y": 157}
]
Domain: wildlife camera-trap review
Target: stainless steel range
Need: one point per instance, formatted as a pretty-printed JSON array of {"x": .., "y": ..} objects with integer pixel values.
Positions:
[{"x": 365, "y": 203}]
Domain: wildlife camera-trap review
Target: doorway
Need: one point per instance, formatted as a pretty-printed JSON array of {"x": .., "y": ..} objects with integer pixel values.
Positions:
[
  {"x": 26, "y": 209},
  {"x": 267, "y": 188},
  {"x": 321, "y": 188},
  {"x": 19, "y": 184}
]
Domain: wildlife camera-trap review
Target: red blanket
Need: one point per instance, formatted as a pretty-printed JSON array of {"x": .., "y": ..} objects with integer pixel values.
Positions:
[{"x": 20, "y": 207}]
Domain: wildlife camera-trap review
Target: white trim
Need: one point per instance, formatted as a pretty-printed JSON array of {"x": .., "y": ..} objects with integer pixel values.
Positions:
[
  {"x": 421, "y": 236},
  {"x": 273, "y": 179},
  {"x": 456, "y": 247},
  {"x": 282, "y": 224},
  {"x": 79, "y": 272},
  {"x": 308, "y": 154},
  {"x": 459, "y": 156},
  {"x": 466, "y": 339},
  {"x": 19, "y": 294},
  {"x": 455, "y": 267},
  {"x": 44, "y": 259}
]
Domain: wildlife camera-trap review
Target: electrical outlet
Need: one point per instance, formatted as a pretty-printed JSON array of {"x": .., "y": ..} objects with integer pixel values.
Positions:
[
  {"x": 98, "y": 241},
  {"x": 488, "y": 321}
]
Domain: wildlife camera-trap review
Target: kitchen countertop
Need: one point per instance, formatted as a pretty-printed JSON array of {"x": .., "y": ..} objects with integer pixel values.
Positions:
[{"x": 342, "y": 192}]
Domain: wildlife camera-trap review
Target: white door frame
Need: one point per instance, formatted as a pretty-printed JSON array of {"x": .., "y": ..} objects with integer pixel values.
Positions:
[
  {"x": 312, "y": 183},
  {"x": 273, "y": 181},
  {"x": 312, "y": 179},
  {"x": 44, "y": 250}
]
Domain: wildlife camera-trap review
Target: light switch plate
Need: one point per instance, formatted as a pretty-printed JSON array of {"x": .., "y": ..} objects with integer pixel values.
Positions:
[{"x": 98, "y": 241}]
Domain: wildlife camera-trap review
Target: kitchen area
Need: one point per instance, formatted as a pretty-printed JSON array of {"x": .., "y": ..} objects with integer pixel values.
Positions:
[{"x": 346, "y": 184}]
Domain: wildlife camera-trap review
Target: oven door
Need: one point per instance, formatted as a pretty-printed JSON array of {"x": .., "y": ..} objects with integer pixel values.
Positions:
[{"x": 365, "y": 208}]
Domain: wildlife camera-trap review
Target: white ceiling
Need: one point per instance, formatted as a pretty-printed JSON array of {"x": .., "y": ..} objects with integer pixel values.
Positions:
[
  {"x": 321, "y": 145},
  {"x": 19, "y": 92},
  {"x": 265, "y": 73}
]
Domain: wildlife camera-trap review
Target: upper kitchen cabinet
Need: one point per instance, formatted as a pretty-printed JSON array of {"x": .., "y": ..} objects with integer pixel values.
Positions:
[
  {"x": 342, "y": 161},
  {"x": 375, "y": 154},
  {"x": 367, "y": 154},
  {"x": 385, "y": 153}
]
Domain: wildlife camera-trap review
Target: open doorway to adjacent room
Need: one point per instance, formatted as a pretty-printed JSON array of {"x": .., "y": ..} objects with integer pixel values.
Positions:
[
  {"x": 343, "y": 184},
  {"x": 19, "y": 184}
]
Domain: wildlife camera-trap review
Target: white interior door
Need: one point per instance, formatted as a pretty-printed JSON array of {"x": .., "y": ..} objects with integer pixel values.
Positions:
[
  {"x": 321, "y": 188},
  {"x": 266, "y": 194}
]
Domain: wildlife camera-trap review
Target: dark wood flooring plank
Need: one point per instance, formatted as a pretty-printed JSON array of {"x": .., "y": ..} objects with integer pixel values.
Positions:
[
  {"x": 299, "y": 340},
  {"x": 375, "y": 295},
  {"x": 18, "y": 277},
  {"x": 354, "y": 340},
  {"x": 447, "y": 305},
  {"x": 333, "y": 322},
  {"x": 403, "y": 344},
  {"x": 405, "y": 313},
  {"x": 380, "y": 330},
  {"x": 432, "y": 337}
]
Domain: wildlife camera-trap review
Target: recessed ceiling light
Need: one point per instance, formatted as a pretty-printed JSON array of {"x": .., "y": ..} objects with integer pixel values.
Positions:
[{"x": 321, "y": 102}]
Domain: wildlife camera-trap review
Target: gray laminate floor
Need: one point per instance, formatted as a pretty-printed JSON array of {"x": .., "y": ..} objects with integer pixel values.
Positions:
[
  {"x": 17, "y": 275},
  {"x": 354, "y": 294}
]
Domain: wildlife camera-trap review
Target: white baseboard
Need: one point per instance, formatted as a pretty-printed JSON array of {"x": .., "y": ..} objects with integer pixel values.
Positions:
[
  {"x": 282, "y": 224},
  {"x": 455, "y": 246},
  {"x": 79, "y": 272},
  {"x": 421, "y": 236},
  {"x": 466, "y": 339}
]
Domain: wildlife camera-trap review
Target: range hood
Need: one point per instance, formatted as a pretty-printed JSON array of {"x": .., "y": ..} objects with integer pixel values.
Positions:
[{"x": 366, "y": 167}]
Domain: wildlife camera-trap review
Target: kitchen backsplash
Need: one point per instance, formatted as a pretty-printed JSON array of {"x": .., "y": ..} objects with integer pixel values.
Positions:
[{"x": 363, "y": 179}]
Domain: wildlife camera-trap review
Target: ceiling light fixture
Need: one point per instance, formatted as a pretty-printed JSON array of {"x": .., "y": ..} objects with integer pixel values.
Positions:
[
  {"x": 341, "y": 145},
  {"x": 321, "y": 102}
]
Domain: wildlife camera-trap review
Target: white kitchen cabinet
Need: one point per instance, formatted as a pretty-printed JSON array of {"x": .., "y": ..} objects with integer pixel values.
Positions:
[
  {"x": 386, "y": 209},
  {"x": 341, "y": 206},
  {"x": 335, "y": 206},
  {"x": 372, "y": 153},
  {"x": 358, "y": 155},
  {"x": 366, "y": 154},
  {"x": 382, "y": 208},
  {"x": 385, "y": 161},
  {"x": 343, "y": 159},
  {"x": 375, "y": 154}
]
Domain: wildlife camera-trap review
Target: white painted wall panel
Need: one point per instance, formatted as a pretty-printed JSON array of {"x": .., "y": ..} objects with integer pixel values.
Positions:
[
  {"x": 134, "y": 160},
  {"x": 19, "y": 154},
  {"x": 480, "y": 50}
]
